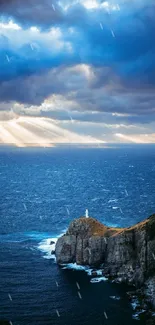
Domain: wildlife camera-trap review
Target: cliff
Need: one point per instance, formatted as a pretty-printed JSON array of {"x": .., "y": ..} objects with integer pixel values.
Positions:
[
  {"x": 84, "y": 242},
  {"x": 128, "y": 254}
]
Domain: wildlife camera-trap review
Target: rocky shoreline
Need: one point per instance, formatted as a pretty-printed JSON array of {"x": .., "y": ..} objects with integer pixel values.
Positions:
[{"x": 125, "y": 254}]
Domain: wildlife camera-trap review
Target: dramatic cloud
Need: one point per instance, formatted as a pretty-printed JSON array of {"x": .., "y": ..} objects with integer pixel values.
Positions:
[
  {"x": 31, "y": 12},
  {"x": 80, "y": 62}
]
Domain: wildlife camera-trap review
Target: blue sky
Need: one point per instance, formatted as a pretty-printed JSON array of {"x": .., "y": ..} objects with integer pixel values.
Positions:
[{"x": 77, "y": 71}]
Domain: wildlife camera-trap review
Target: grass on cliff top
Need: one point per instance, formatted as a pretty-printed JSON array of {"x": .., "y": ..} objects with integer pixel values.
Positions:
[
  {"x": 149, "y": 222},
  {"x": 93, "y": 227}
]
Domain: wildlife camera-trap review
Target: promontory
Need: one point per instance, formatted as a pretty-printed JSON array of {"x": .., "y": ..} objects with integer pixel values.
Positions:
[{"x": 127, "y": 254}]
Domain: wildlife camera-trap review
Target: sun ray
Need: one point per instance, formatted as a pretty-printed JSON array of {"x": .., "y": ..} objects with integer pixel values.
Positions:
[
  {"x": 62, "y": 135},
  {"x": 37, "y": 126},
  {"x": 26, "y": 134},
  {"x": 8, "y": 138},
  {"x": 30, "y": 131},
  {"x": 140, "y": 138}
]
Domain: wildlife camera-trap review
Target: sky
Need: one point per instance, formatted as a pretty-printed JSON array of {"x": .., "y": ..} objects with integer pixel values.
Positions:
[{"x": 77, "y": 71}]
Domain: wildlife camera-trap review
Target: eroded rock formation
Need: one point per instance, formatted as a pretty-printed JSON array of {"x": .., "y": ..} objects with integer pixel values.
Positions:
[{"x": 127, "y": 253}]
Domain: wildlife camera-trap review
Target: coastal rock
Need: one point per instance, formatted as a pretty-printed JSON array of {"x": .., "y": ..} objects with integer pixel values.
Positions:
[
  {"x": 150, "y": 289},
  {"x": 128, "y": 254},
  {"x": 52, "y": 242},
  {"x": 83, "y": 243},
  {"x": 65, "y": 249}
]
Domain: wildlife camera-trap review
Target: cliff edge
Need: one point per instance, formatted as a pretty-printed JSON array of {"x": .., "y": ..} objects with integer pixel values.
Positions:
[{"x": 127, "y": 253}]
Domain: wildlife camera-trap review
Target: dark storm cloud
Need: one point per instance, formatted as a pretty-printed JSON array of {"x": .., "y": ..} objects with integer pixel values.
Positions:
[
  {"x": 31, "y": 12},
  {"x": 119, "y": 47},
  {"x": 72, "y": 86},
  {"x": 130, "y": 52}
]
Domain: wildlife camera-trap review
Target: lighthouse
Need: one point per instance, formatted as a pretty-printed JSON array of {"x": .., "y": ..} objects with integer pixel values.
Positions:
[{"x": 86, "y": 213}]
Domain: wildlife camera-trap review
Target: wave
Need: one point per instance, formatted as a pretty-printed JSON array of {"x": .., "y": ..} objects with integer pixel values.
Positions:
[
  {"x": 91, "y": 272},
  {"x": 74, "y": 266},
  {"x": 47, "y": 246},
  {"x": 115, "y": 297},
  {"x": 138, "y": 313},
  {"x": 113, "y": 200},
  {"x": 98, "y": 272},
  {"x": 95, "y": 199},
  {"x": 98, "y": 279},
  {"x": 86, "y": 268},
  {"x": 137, "y": 308}
]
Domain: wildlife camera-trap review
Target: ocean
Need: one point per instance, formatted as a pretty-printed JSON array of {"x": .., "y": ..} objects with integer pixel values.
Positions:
[{"x": 42, "y": 190}]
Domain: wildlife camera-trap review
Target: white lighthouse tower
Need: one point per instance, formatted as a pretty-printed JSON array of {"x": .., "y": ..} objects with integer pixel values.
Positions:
[{"x": 86, "y": 213}]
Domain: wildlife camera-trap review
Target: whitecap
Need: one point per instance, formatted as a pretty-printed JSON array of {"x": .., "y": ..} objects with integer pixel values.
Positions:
[
  {"x": 137, "y": 314},
  {"x": 112, "y": 200},
  {"x": 74, "y": 266},
  {"x": 46, "y": 247},
  {"x": 95, "y": 199},
  {"x": 98, "y": 279},
  {"x": 89, "y": 272},
  {"x": 115, "y": 297},
  {"x": 97, "y": 272},
  {"x": 135, "y": 303}
]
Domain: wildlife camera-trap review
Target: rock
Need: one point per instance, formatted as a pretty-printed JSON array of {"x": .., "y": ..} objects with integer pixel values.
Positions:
[
  {"x": 150, "y": 289},
  {"x": 52, "y": 242},
  {"x": 83, "y": 243},
  {"x": 128, "y": 254},
  {"x": 65, "y": 249}
]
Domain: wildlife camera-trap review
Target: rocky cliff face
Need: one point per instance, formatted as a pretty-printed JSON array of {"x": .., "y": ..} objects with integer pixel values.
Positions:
[
  {"x": 84, "y": 243},
  {"x": 130, "y": 253},
  {"x": 127, "y": 253},
  {"x": 126, "y": 250}
]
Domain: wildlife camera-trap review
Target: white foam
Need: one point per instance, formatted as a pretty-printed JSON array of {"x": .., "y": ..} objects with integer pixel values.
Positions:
[
  {"x": 97, "y": 272},
  {"x": 98, "y": 279},
  {"x": 115, "y": 297},
  {"x": 95, "y": 199},
  {"x": 74, "y": 266},
  {"x": 135, "y": 303},
  {"x": 137, "y": 314},
  {"x": 46, "y": 247},
  {"x": 86, "y": 268},
  {"x": 113, "y": 200},
  {"x": 89, "y": 272}
]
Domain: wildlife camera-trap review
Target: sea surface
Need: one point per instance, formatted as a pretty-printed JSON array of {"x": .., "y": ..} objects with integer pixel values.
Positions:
[{"x": 41, "y": 191}]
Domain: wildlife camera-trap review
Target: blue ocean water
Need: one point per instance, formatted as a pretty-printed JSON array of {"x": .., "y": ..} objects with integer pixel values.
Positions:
[{"x": 42, "y": 190}]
